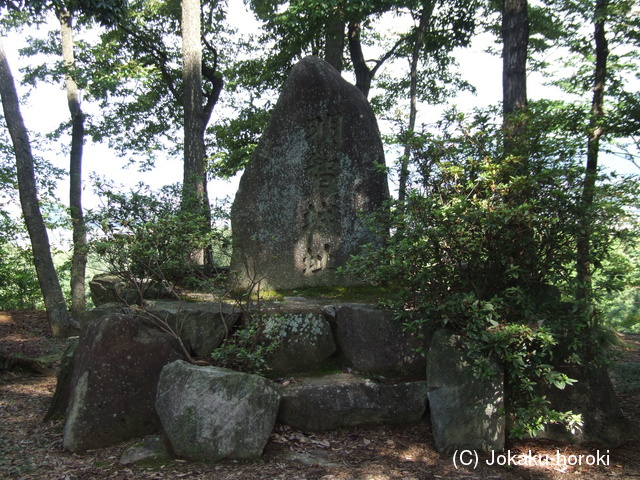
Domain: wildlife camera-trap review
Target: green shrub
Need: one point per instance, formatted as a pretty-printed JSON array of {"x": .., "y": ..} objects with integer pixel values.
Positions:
[
  {"x": 19, "y": 288},
  {"x": 151, "y": 235},
  {"x": 244, "y": 349},
  {"x": 485, "y": 245}
]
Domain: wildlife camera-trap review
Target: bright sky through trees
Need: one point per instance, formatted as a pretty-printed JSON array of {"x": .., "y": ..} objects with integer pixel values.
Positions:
[{"x": 481, "y": 69}]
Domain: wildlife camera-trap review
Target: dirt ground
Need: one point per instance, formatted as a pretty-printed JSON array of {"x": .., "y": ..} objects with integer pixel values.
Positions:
[{"x": 32, "y": 449}]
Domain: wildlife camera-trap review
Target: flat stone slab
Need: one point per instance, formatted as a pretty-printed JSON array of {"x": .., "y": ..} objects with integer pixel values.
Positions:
[{"x": 318, "y": 404}]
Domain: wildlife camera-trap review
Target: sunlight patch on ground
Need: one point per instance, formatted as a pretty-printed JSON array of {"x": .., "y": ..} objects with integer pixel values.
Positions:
[{"x": 5, "y": 318}]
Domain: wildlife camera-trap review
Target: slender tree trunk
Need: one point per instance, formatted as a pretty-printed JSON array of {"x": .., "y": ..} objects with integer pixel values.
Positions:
[
  {"x": 593, "y": 147},
  {"x": 334, "y": 39},
  {"x": 195, "y": 194},
  {"x": 363, "y": 74},
  {"x": 79, "y": 257},
  {"x": 518, "y": 237},
  {"x": 425, "y": 16},
  {"x": 59, "y": 320},
  {"x": 515, "y": 38}
]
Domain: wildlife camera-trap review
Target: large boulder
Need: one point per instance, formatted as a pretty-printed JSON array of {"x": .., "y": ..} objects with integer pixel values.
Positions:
[
  {"x": 373, "y": 341},
  {"x": 466, "y": 410},
  {"x": 298, "y": 213},
  {"x": 202, "y": 326},
  {"x": 113, "y": 385},
  {"x": 318, "y": 404},
  {"x": 210, "y": 413},
  {"x": 106, "y": 288},
  {"x": 303, "y": 341},
  {"x": 62, "y": 394},
  {"x": 592, "y": 396}
]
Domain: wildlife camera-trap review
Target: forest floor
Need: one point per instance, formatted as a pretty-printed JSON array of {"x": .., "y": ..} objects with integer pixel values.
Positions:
[{"x": 32, "y": 449}]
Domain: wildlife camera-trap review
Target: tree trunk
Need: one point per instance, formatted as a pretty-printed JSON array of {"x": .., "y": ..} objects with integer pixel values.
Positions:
[
  {"x": 334, "y": 39},
  {"x": 593, "y": 147},
  {"x": 363, "y": 74},
  {"x": 425, "y": 16},
  {"x": 515, "y": 38},
  {"x": 194, "y": 195},
  {"x": 79, "y": 257},
  {"x": 59, "y": 320},
  {"x": 520, "y": 248}
]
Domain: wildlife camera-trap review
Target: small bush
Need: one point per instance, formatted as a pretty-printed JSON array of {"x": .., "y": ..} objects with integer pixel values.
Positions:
[
  {"x": 152, "y": 235},
  {"x": 244, "y": 350}
]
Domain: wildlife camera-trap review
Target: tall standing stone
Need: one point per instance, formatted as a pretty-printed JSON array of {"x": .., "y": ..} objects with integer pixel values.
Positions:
[{"x": 297, "y": 215}]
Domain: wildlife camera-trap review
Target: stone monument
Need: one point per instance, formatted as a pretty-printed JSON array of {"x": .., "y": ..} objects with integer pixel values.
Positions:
[{"x": 318, "y": 168}]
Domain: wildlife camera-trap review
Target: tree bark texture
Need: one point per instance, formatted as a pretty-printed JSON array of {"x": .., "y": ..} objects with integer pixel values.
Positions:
[
  {"x": 195, "y": 177},
  {"x": 363, "y": 74},
  {"x": 515, "y": 38},
  {"x": 425, "y": 16},
  {"x": 59, "y": 320},
  {"x": 593, "y": 147},
  {"x": 334, "y": 39},
  {"x": 79, "y": 257}
]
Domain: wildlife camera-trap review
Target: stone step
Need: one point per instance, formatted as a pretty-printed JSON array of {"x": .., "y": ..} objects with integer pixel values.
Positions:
[{"x": 327, "y": 402}]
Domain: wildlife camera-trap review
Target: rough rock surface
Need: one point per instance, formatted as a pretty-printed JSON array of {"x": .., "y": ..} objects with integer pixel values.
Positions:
[
  {"x": 60, "y": 400},
  {"x": 154, "y": 448},
  {"x": 210, "y": 413},
  {"x": 318, "y": 404},
  {"x": 465, "y": 409},
  {"x": 304, "y": 341},
  {"x": 107, "y": 288},
  {"x": 594, "y": 398},
  {"x": 296, "y": 217},
  {"x": 113, "y": 386},
  {"x": 201, "y": 326},
  {"x": 374, "y": 342}
]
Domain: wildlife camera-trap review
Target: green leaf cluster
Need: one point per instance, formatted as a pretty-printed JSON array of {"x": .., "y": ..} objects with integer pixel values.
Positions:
[
  {"x": 485, "y": 245},
  {"x": 19, "y": 287},
  {"x": 244, "y": 349},
  {"x": 150, "y": 235}
]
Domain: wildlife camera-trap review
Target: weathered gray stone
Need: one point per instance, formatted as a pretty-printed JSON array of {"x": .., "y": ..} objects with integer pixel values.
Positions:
[
  {"x": 154, "y": 448},
  {"x": 202, "y": 326},
  {"x": 304, "y": 341},
  {"x": 60, "y": 400},
  {"x": 318, "y": 404},
  {"x": 210, "y": 413},
  {"x": 466, "y": 411},
  {"x": 107, "y": 288},
  {"x": 115, "y": 373},
  {"x": 594, "y": 398},
  {"x": 103, "y": 310},
  {"x": 373, "y": 341},
  {"x": 296, "y": 217}
]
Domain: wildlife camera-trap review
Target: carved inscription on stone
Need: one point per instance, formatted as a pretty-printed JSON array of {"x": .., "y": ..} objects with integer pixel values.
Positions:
[{"x": 321, "y": 226}]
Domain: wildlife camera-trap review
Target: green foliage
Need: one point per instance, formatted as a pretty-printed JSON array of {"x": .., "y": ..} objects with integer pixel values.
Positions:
[
  {"x": 485, "y": 245},
  {"x": 237, "y": 138},
  {"x": 244, "y": 350},
  {"x": 620, "y": 300},
  {"x": 150, "y": 235},
  {"x": 19, "y": 288},
  {"x": 105, "y": 12}
]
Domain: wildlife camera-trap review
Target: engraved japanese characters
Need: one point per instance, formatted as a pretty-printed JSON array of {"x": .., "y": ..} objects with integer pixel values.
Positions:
[{"x": 297, "y": 215}]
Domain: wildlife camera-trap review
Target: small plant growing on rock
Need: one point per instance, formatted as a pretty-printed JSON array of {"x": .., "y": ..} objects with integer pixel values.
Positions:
[{"x": 244, "y": 349}]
